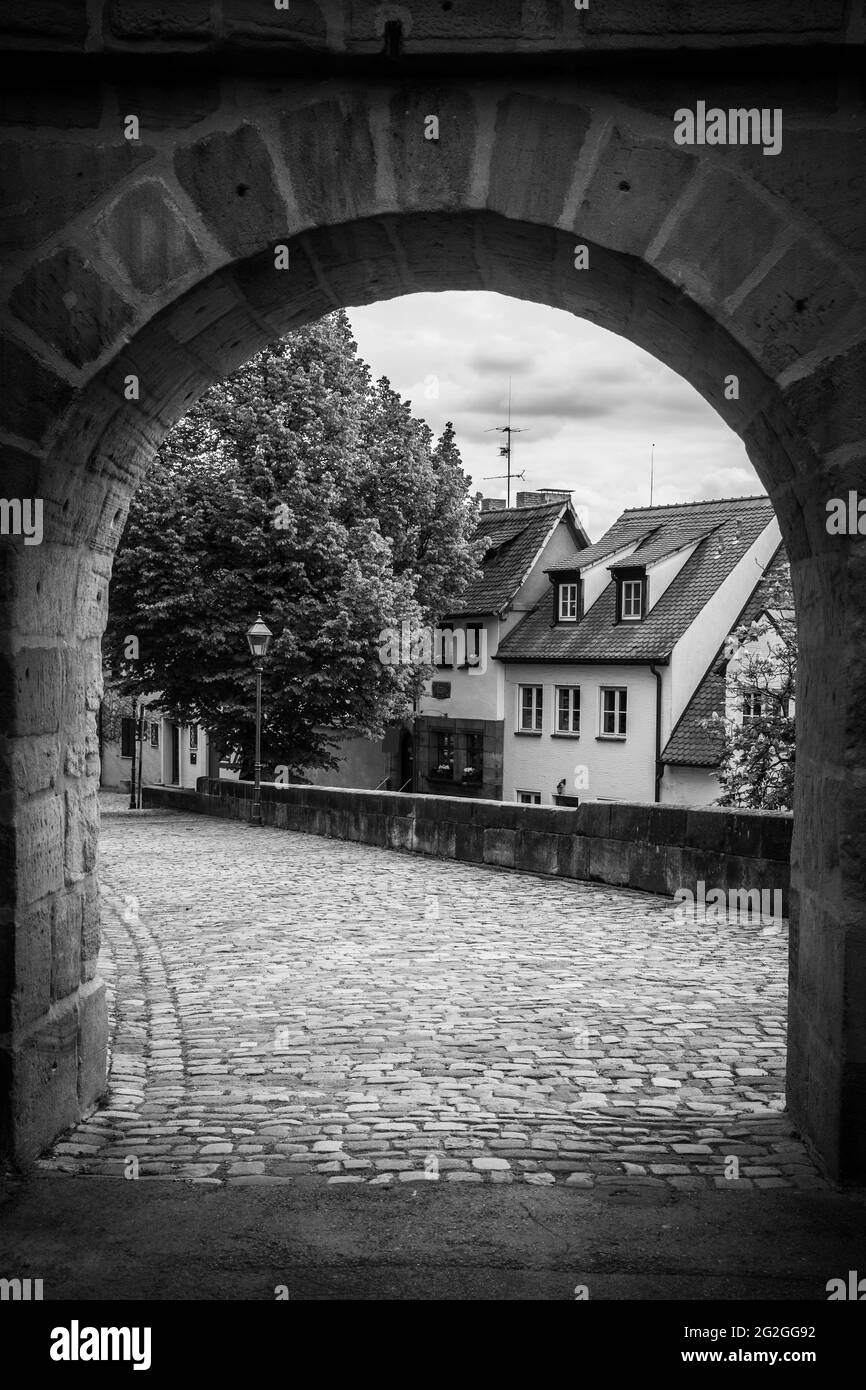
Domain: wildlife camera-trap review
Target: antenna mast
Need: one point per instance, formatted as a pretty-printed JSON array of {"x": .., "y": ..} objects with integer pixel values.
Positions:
[
  {"x": 505, "y": 450},
  {"x": 652, "y": 471}
]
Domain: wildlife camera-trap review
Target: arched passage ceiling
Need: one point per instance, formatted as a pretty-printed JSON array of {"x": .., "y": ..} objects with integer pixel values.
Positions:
[{"x": 218, "y": 324}]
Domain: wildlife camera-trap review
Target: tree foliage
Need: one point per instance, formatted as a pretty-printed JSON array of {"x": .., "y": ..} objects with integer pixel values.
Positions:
[
  {"x": 757, "y": 732},
  {"x": 300, "y": 489}
]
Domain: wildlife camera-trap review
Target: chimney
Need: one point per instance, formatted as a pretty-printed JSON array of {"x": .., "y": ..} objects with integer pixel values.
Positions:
[
  {"x": 492, "y": 504},
  {"x": 543, "y": 497}
]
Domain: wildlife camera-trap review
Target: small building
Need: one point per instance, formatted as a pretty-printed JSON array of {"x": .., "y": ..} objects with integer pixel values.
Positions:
[
  {"x": 461, "y": 719},
  {"x": 165, "y": 753}
]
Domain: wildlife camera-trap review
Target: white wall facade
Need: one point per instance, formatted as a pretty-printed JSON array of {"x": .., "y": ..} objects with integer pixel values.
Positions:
[
  {"x": 760, "y": 648},
  {"x": 476, "y": 692},
  {"x": 689, "y": 786},
  {"x": 594, "y": 768},
  {"x": 156, "y": 757},
  {"x": 596, "y": 578},
  {"x": 481, "y": 694}
]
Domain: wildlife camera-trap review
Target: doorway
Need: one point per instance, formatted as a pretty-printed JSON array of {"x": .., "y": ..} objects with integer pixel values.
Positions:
[
  {"x": 407, "y": 762},
  {"x": 175, "y": 755}
]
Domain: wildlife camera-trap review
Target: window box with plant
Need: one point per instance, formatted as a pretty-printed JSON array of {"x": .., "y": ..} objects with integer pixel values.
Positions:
[{"x": 442, "y": 772}]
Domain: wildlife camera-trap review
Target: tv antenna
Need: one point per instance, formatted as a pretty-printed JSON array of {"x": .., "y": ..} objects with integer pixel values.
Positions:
[
  {"x": 505, "y": 450},
  {"x": 652, "y": 471}
]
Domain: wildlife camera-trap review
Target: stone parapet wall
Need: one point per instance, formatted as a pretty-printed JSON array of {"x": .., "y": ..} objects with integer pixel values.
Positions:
[{"x": 658, "y": 849}]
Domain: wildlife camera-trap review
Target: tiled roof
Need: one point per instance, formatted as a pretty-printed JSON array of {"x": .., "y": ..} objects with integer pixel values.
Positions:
[
  {"x": 660, "y": 547},
  {"x": 515, "y": 536},
  {"x": 689, "y": 744},
  {"x": 734, "y": 524},
  {"x": 617, "y": 538}
]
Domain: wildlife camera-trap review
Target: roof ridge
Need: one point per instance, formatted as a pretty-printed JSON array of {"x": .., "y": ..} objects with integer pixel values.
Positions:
[
  {"x": 535, "y": 507},
  {"x": 703, "y": 502}
]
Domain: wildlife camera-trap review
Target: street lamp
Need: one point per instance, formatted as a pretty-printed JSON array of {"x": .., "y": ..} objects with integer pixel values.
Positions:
[{"x": 259, "y": 638}]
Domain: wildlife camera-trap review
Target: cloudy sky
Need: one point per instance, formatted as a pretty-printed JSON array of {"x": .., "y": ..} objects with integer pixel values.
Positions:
[{"x": 592, "y": 404}]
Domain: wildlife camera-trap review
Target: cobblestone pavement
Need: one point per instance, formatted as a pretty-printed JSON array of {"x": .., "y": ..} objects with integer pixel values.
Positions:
[{"x": 287, "y": 1008}]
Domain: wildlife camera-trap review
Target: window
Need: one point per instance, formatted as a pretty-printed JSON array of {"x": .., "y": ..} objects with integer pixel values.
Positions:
[
  {"x": 444, "y": 755},
  {"x": 127, "y": 737},
  {"x": 567, "y": 596},
  {"x": 529, "y": 798},
  {"x": 193, "y": 738},
  {"x": 632, "y": 599},
  {"x": 154, "y": 735},
  {"x": 753, "y": 706},
  {"x": 475, "y": 640},
  {"x": 443, "y": 647},
  {"x": 474, "y": 768},
  {"x": 568, "y": 709},
  {"x": 531, "y": 704},
  {"x": 631, "y": 594},
  {"x": 614, "y": 711},
  {"x": 568, "y": 603}
]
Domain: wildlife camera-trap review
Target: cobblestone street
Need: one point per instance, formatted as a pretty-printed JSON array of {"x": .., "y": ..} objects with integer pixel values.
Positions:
[{"x": 287, "y": 1008}]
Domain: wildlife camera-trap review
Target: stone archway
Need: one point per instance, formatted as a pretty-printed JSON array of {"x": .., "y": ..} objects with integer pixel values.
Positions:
[{"x": 138, "y": 272}]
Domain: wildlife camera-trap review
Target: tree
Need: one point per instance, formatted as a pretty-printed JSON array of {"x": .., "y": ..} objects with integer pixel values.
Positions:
[
  {"x": 757, "y": 732},
  {"x": 298, "y": 489}
]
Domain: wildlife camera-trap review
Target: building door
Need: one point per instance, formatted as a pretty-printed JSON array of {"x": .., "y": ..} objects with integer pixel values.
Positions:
[
  {"x": 407, "y": 763},
  {"x": 175, "y": 755}
]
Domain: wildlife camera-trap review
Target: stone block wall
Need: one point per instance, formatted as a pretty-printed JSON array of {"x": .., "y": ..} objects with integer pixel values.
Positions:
[{"x": 657, "y": 849}]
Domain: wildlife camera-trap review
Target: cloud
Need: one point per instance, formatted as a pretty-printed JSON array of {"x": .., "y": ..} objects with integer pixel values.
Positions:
[
  {"x": 495, "y": 363},
  {"x": 592, "y": 404}
]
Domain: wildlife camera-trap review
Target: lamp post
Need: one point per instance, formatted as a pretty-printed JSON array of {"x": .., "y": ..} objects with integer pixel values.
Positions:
[{"x": 259, "y": 639}]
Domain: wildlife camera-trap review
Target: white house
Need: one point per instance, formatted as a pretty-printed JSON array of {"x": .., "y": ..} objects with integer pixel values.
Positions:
[
  {"x": 170, "y": 754},
  {"x": 599, "y": 675}
]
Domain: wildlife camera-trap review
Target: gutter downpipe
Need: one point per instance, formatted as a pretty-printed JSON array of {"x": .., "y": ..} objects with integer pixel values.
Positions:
[{"x": 658, "y": 766}]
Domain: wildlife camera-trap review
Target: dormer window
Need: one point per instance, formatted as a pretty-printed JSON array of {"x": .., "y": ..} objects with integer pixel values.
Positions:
[
  {"x": 631, "y": 595},
  {"x": 567, "y": 596},
  {"x": 568, "y": 603},
  {"x": 632, "y": 599}
]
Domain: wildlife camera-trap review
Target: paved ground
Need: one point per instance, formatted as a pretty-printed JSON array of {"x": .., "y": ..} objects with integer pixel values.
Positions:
[
  {"x": 290, "y": 1009},
  {"x": 106, "y": 1239}
]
